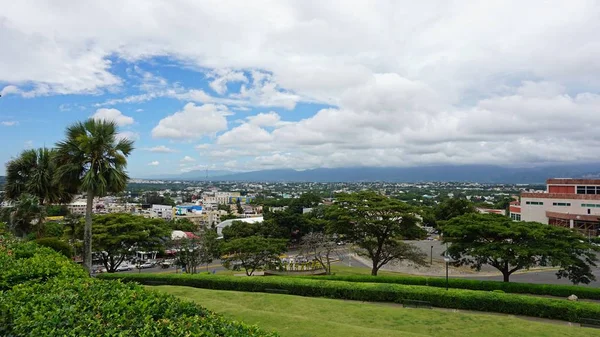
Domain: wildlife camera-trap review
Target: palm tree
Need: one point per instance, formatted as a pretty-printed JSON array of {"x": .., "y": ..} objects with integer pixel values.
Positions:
[
  {"x": 94, "y": 160},
  {"x": 26, "y": 215},
  {"x": 32, "y": 172}
]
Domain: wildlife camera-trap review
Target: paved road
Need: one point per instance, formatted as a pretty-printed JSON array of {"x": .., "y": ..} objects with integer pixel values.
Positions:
[{"x": 543, "y": 277}]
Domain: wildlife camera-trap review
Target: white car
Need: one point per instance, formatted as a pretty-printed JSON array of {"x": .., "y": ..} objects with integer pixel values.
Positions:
[
  {"x": 124, "y": 267},
  {"x": 146, "y": 265}
]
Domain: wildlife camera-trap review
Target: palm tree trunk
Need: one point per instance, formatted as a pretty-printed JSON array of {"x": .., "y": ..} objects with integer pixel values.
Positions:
[{"x": 87, "y": 233}]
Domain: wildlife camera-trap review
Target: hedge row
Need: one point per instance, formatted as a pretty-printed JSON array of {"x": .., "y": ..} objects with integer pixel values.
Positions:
[
  {"x": 507, "y": 287},
  {"x": 42, "y": 293},
  {"x": 378, "y": 292},
  {"x": 27, "y": 262}
]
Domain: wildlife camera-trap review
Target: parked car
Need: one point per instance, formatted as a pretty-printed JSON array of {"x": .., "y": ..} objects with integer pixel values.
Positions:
[
  {"x": 124, "y": 267},
  {"x": 146, "y": 265}
]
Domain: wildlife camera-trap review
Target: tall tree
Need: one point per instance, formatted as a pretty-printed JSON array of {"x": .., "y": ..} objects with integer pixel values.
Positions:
[
  {"x": 377, "y": 225},
  {"x": 94, "y": 160},
  {"x": 117, "y": 235},
  {"x": 453, "y": 207},
  {"x": 33, "y": 172},
  {"x": 494, "y": 240},
  {"x": 320, "y": 247},
  {"x": 252, "y": 252},
  {"x": 25, "y": 216}
]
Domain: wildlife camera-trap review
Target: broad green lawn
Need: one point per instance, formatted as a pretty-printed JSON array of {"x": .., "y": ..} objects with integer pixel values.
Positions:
[{"x": 303, "y": 316}]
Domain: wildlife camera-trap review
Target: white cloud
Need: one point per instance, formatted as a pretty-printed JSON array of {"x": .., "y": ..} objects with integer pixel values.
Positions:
[
  {"x": 202, "y": 146},
  {"x": 429, "y": 84},
  {"x": 130, "y": 135},
  {"x": 153, "y": 163},
  {"x": 188, "y": 159},
  {"x": 160, "y": 149},
  {"x": 139, "y": 110},
  {"x": 223, "y": 76},
  {"x": 113, "y": 115},
  {"x": 9, "y": 123},
  {"x": 264, "y": 119},
  {"x": 192, "y": 122}
]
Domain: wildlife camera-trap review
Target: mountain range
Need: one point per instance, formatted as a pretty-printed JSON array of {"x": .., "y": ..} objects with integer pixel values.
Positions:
[{"x": 438, "y": 173}]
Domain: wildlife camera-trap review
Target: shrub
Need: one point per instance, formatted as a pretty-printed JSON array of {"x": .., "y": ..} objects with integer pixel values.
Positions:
[
  {"x": 57, "y": 245},
  {"x": 89, "y": 307},
  {"x": 453, "y": 298},
  {"x": 462, "y": 283},
  {"x": 28, "y": 262}
]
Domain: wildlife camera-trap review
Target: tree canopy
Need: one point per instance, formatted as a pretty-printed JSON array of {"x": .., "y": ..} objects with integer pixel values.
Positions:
[
  {"x": 252, "y": 252},
  {"x": 92, "y": 159},
  {"x": 377, "y": 225},
  {"x": 116, "y": 235},
  {"x": 494, "y": 240},
  {"x": 453, "y": 207}
]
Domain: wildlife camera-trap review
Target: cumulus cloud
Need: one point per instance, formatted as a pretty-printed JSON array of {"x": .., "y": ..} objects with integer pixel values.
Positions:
[
  {"x": 192, "y": 122},
  {"x": 160, "y": 149},
  {"x": 188, "y": 159},
  {"x": 9, "y": 123},
  {"x": 129, "y": 135},
  {"x": 429, "y": 84},
  {"x": 220, "y": 78},
  {"x": 153, "y": 163},
  {"x": 113, "y": 115}
]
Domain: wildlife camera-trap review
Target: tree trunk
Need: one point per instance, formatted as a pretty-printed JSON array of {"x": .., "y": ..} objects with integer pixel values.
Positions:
[
  {"x": 375, "y": 269},
  {"x": 506, "y": 276},
  {"x": 87, "y": 233}
]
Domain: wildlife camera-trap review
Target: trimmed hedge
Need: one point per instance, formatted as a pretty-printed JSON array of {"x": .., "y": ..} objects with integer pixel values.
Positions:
[
  {"x": 459, "y": 283},
  {"x": 378, "y": 292},
  {"x": 28, "y": 262},
  {"x": 42, "y": 293}
]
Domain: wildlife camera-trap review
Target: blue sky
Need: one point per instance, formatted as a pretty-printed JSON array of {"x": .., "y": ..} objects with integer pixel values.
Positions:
[{"x": 226, "y": 85}]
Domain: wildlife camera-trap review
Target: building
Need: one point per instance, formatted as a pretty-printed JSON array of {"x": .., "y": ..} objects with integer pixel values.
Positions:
[
  {"x": 229, "y": 222},
  {"x": 77, "y": 207},
  {"x": 220, "y": 198},
  {"x": 572, "y": 203},
  {"x": 162, "y": 211},
  {"x": 490, "y": 211}
]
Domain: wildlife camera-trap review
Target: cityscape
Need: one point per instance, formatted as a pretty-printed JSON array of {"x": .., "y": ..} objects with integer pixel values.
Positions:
[{"x": 294, "y": 169}]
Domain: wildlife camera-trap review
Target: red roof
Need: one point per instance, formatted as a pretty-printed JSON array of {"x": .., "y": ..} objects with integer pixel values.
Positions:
[{"x": 191, "y": 235}]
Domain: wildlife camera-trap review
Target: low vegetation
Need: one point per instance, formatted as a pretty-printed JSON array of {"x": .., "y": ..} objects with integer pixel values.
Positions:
[
  {"x": 507, "y": 287},
  {"x": 377, "y": 292},
  {"x": 294, "y": 316},
  {"x": 42, "y": 293}
]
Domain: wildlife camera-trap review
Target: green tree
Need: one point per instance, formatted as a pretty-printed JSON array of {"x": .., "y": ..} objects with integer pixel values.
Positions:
[
  {"x": 183, "y": 224},
  {"x": 453, "y": 207},
  {"x": 53, "y": 229},
  {"x": 306, "y": 200},
  {"x": 93, "y": 160},
  {"x": 57, "y": 245},
  {"x": 33, "y": 172},
  {"x": 320, "y": 247},
  {"x": 491, "y": 239},
  {"x": 56, "y": 210},
  {"x": 238, "y": 205},
  {"x": 224, "y": 207},
  {"x": 252, "y": 252},
  {"x": 116, "y": 235},
  {"x": 376, "y": 224},
  {"x": 25, "y": 216},
  {"x": 209, "y": 247},
  {"x": 241, "y": 229},
  {"x": 71, "y": 224}
]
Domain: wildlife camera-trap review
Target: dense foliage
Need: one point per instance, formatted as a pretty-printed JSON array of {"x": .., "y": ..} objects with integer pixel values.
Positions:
[
  {"x": 57, "y": 245},
  {"x": 495, "y": 240},
  {"x": 377, "y": 225},
  {"x": 376, "y": 292},
  {"x": 252, "y": 253},
  {"x": 464, "y": 283},
  {"x": 42, "y": 293}
]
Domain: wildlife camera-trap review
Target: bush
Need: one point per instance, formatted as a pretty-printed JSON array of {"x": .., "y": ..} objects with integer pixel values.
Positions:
[
  {"x": 89, "y": 307},
  {"x": 28, "y": 262},
  {"x": 453, "y": 298},
  {"x": 57, "y": 245},
  {"x": 459, "y": 283},
  {"x": 42, "y": 293}
]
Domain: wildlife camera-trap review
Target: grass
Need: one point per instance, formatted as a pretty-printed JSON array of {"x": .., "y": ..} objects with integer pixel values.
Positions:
[
  {"x": 296, "y": 316},
  {"x": 345, "y": 270}
]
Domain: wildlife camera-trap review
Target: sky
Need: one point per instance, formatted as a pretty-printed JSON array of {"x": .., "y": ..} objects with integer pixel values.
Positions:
[{"x": 251, "y": 85}]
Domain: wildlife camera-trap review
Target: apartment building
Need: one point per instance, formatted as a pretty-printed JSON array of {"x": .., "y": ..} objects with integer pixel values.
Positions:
[
  {"x": 572, "y": 203},
  {"x": 162, "y": 211}
]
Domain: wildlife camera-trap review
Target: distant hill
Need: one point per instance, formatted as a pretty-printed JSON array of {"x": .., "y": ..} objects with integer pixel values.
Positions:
[{"x": 440, "y": 173}]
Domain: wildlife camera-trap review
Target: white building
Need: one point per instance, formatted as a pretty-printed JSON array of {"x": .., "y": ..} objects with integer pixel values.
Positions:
[
  {"x": 572, "y": 203},
  {"x": 162, "y": 211},
  {"x": 77, "y": 207},
  {"x": 229, "y": 222}
]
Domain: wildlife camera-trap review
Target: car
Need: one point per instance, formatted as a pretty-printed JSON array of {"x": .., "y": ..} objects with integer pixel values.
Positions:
[
  {"x": 145, "y": 265},
  {"x": 341, "y": 243},
  {"x": 124, "y": 267}
]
